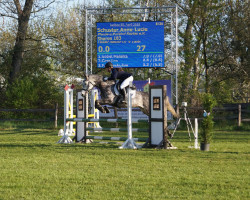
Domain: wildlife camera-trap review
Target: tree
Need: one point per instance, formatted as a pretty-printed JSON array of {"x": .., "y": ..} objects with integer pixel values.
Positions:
[
  {"x": 21, "y": 11},
  {"x": 231, "y": 52},
  {"x": 23, "y": 20},
  {"x": 65, "y": 33}
]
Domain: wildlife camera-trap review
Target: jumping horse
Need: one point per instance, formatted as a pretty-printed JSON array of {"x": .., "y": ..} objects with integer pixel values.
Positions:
[{"x": 108, "y": 95}]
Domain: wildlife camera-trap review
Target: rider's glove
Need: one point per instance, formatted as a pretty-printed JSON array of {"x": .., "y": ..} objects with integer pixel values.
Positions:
[{"x": 105, "y": 78}]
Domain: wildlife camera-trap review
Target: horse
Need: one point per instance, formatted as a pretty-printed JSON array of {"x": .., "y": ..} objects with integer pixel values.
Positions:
[{"x": 108, "y": 97}]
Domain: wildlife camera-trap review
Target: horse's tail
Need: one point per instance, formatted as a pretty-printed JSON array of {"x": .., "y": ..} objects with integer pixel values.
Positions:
[{"x": 171, "y": 108}]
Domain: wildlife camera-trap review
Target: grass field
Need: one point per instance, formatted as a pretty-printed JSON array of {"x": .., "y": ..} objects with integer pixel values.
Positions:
[{"x": 34, "y": 166}]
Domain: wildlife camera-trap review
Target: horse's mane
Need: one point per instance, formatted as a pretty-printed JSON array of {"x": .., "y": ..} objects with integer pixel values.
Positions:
[{"x": 96, "y": 77}]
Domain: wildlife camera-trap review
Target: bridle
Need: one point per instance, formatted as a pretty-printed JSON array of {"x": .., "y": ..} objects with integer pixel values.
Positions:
[{"x": 85, "y": 86}]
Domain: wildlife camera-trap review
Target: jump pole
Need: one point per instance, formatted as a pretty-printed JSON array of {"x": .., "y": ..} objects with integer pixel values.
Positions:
[
  {"x": 106, "y": 120},
  {"x": 129, "y": 143},
  {"x": 196, "y": 145},
  {"x": 94, "y": 112},
  {"x": 195, "y": 132},
  {"x": 68, "y": 126}
]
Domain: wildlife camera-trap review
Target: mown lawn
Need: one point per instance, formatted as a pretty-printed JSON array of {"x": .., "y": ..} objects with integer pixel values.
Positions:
[{"x": 34, "y": 166}]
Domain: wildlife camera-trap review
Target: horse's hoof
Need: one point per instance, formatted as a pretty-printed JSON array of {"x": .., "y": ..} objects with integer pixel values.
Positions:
[
  {"x": 103, "y": 111},
  {"x": 106, "y": 109}
]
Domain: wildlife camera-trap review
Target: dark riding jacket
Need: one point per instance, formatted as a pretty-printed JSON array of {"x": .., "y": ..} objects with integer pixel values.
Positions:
[{"x": 121, "y": 75}]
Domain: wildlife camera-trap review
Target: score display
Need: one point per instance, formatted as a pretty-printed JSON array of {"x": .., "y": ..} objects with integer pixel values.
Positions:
[{"x": 130, "y": 44}]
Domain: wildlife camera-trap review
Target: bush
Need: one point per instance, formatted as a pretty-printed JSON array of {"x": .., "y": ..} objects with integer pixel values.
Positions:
[
  {"x": 31, "y": 92},
  {"x": 207, "y": 124},
  {"x": 22, "y": 94}
]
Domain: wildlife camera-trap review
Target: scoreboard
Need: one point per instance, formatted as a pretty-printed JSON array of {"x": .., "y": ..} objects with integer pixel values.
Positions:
[{"x": 130, "y": 44}]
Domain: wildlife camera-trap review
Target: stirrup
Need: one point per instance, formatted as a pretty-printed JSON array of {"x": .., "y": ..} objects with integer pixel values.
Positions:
[{"x": 133, "y": 87}]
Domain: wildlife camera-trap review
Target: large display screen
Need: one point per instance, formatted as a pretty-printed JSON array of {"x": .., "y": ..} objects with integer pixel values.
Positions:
[{"x": 130, "y": 44}]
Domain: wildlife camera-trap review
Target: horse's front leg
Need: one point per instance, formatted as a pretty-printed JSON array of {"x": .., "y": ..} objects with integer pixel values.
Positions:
[{"x": 101, "y": 108}]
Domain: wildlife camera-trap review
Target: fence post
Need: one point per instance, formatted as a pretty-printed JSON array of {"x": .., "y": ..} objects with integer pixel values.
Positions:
[
  {"x": 239, "y": 115},
  {"x": 56, "y": 113},
  {"x": 116, "y": 116}
]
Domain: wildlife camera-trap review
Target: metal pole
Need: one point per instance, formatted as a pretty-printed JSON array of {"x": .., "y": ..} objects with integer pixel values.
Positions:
[
  {"x": 86, "y": 41},
  {"x": 176, "y": 54},
  {"x": 91, "y": 45},
  {"x": 172, "y": 58}
]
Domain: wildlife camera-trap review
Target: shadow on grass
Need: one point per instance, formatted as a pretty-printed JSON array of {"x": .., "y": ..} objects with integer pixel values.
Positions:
[
  {"x": 23, "y": 145},
  {"x": 19, "y": 131},
  {"x": 89, "y": 145}
]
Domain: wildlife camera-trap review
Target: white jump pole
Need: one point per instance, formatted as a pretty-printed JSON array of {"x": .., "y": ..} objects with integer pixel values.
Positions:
[
  {"x": 195, "y": 132},
  {"x": 129, "y": 143},
  {"x": 67, "y": 125},
  {"x": 94, "y": 97},
  {"x": 71, "y": 131},
  {"x": 196, "y": 145}
]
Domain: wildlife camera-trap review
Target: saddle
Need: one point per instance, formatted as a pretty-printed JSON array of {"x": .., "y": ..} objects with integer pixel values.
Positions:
[{"x": 116, "y": 88}]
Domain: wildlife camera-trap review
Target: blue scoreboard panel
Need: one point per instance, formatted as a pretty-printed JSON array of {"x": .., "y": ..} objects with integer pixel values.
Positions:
[{"x": 130, "y": 44}]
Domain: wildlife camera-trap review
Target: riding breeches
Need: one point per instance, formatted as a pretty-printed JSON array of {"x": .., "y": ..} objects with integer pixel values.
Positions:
[{"x": 125, "y": 83}]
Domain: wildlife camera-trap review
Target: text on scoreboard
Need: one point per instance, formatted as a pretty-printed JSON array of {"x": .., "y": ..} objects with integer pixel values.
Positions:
[{"x": 130, "y": 44}]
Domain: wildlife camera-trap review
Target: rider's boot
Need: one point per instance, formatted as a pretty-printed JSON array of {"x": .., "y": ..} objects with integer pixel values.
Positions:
[
  {"x": 123, "y": 95},
  {"x": 117, "y": 101}
]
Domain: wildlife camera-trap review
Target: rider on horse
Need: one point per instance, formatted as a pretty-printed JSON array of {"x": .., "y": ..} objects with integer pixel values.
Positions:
[{"x": 124, "y": 79}]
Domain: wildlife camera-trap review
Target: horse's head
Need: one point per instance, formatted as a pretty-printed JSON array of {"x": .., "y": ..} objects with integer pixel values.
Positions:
[{"x": 90, "y": 81}]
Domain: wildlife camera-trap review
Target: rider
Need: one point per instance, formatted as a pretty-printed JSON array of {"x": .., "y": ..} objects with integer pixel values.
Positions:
[{"x": 124, "y": 79}]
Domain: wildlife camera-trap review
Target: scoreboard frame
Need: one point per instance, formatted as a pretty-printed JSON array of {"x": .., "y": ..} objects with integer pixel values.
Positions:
[{"x": 137, "y": 44}]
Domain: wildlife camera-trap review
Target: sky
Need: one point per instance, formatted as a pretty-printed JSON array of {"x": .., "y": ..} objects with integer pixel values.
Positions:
[
  {"x": 5, "y": 21},
  {"x": 92, "y": 2}
]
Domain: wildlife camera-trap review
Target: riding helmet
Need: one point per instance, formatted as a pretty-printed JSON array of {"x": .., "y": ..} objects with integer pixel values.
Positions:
[{"x": 108, "y": 64}]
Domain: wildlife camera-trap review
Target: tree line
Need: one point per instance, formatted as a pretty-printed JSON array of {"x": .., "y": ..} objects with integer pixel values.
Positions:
[{"x": 43, "y": 48}]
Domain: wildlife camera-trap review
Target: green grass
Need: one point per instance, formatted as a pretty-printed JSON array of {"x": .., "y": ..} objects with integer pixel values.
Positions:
[{"x": 34, "y": 166}]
